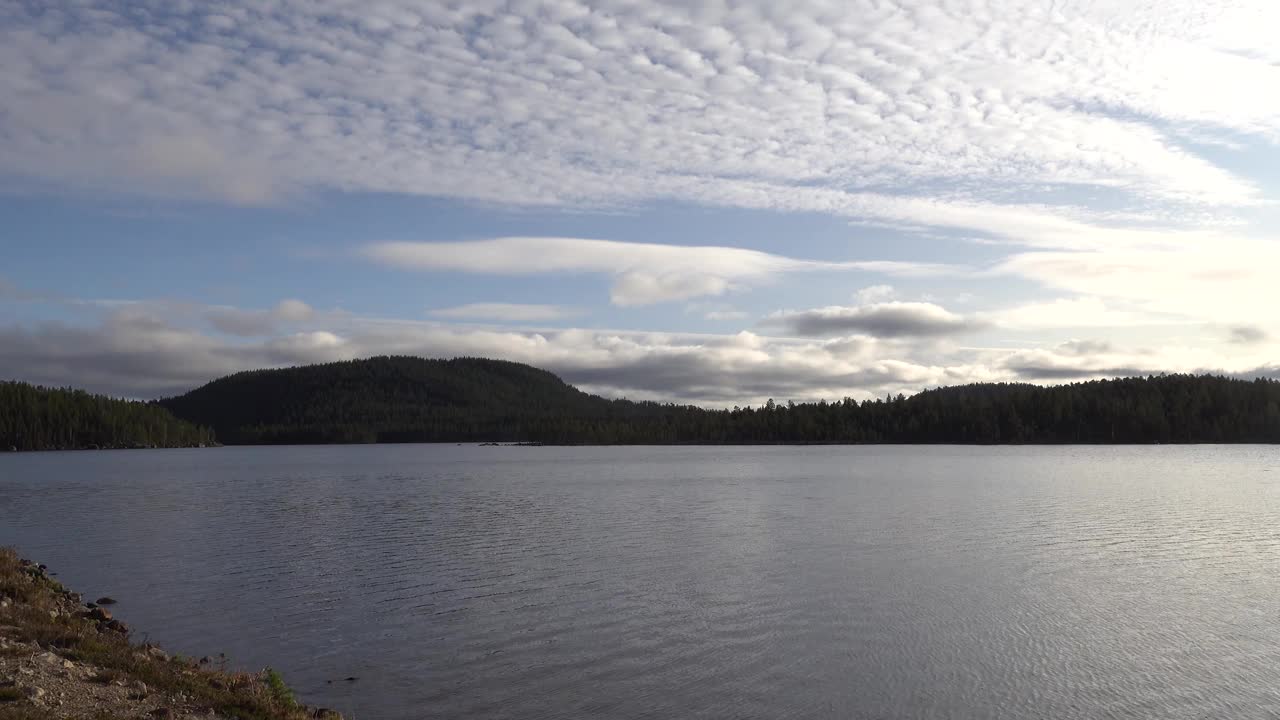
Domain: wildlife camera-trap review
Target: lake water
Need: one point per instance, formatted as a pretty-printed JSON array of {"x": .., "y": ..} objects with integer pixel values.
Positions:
[{"x": 774, "y": 582}]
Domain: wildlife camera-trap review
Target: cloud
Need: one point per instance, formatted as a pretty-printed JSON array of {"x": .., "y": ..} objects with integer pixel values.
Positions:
[
  {"x": 257, "y": 323},
  {"x": 874, "y": 294},
  {"x": 726, "y": 315},
  {"x": 1076, "y": 312},
  {"x": 1085, "y": 347},
  {"x": 1247, "y": 335},
  {"x": 143, "y": 350},
  {"x": 138, "y": 356},
  {"x": 1088, "y": 360},
  {"x": 293, "y": 311},
  {"x": 644, "y": 273},
  {"x": 1224, "y": 278},
  {"x": 1068, "y": 373},
  {"x": 506, "y": 312},
  {"x": 550, "y": 102},
  {"x": 889, "y": 320}
]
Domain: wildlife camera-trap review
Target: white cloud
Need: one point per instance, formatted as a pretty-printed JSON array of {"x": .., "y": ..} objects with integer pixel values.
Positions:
[
  {"x": 644, "y": 273},
  {"x": 257, "y": 323},
  {"x": 1077, "y": 312},
  {"x": 1074, "y": 136},
  {"x": 1226, "y": 281},
  {"x": 874, "y": 294},
  {"x": 726, "y": 315},
  {"x": 554, "y": 102},
  {"x": 505, "y": 312},
  {"x": 293, "y": 310}
]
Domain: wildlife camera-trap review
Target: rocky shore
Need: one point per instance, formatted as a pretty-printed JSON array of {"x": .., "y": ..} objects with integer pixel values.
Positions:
[{"x": 61, "y": 657}]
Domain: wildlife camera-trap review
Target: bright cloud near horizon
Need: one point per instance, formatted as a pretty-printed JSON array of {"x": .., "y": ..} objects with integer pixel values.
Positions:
[{"x": 706, "y": 202}]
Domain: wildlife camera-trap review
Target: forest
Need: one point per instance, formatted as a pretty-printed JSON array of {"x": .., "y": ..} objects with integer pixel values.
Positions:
[
  {"x": 409, "y": 399},
  {"x": 40, "y": 418}
]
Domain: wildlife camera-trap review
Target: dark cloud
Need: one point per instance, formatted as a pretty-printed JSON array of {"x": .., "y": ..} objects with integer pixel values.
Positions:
[
  {"x": 1085, "y": 347},
  {"x": 887, "y": 320},
  {"x": 1246, "y": 335},
  {"x": 245, "y": 323},
  {"x": 1060, "y": 372},
  {"x": 693, "y": 376},
  {"x": 1270, "y": 372}
]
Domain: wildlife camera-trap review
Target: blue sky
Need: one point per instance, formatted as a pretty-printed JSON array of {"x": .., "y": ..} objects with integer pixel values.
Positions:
[{"x": 705, "y": 202}]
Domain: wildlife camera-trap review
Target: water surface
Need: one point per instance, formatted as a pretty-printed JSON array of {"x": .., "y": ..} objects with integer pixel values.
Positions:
[{"x": 777, "y": 582}]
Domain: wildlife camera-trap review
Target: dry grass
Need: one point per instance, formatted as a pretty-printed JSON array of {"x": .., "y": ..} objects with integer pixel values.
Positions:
[{"x": 244, "y": 696}]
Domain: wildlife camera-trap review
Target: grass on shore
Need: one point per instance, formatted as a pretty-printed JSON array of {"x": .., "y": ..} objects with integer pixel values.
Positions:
[{"x": 40, "y": 612}]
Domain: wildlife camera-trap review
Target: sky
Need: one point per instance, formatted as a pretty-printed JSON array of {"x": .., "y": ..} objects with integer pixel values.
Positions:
[{"x": 699, "y": 202}]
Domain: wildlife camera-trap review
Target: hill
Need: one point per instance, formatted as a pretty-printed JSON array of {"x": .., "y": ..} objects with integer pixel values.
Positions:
[
  {"x": 400, "y": 399},
  {"x": 409, "y": 399},
  {"x": 40, "y": 418}
]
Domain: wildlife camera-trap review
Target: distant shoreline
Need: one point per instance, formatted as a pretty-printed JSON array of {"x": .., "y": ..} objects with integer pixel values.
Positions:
[
  {"x": 397, "y": 400},
  {"x": 816, "y": 443}
]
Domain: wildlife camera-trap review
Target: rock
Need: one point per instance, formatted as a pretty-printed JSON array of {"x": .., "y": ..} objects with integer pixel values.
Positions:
[
  {"x": 104, "y": 600},
  {"x": 116, "y": 626},
  {"x": 325, "y": 714},
  {"x": 157, "y": 653},
  {"x": 98, "y": 614},
  {"x": 49, "y": 658},
  {"x": 91, "y": 605},
  {"x": 68, "y": 665},
  {"x": 33, "y": 692},
  {"x": 5, "y": 602},
  {"x": 162, "y": 713},
  {"x": 139, "y": 686},
  {"x": 350, "y": 679},
  {"x": 53, "y": 614}
]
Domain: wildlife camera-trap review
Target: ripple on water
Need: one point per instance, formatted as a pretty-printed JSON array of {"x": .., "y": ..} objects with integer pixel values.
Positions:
[{"x": 868, "y": 582}]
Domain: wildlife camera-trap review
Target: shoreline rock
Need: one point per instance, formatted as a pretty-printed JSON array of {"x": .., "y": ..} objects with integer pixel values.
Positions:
[{"x": 62, "y": 658}]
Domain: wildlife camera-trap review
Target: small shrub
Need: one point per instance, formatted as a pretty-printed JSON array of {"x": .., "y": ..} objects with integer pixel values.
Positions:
[{"x": 280, "y": 693}]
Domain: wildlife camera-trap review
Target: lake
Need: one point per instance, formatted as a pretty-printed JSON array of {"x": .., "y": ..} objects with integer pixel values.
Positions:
[{"x": 689, "y": 582}]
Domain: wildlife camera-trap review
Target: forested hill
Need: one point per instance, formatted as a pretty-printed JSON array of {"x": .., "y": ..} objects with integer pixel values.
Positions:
[
  {"x": 404, "y": 399},
  {"x": 40, "y": 418}
]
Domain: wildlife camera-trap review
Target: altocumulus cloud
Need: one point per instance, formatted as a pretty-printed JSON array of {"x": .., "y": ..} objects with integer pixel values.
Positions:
[
  {"x": 1010, "y": 113},
  {"x": 552, "y": 101}
]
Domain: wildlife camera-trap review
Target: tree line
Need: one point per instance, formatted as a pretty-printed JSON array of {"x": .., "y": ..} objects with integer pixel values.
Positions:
[
  {"x": 41, "y": 418},
  {"x": 407, "y": 399}
]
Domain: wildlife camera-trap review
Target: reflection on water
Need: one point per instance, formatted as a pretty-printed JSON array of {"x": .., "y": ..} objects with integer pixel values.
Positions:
[{"x": 863, "y": 582}]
